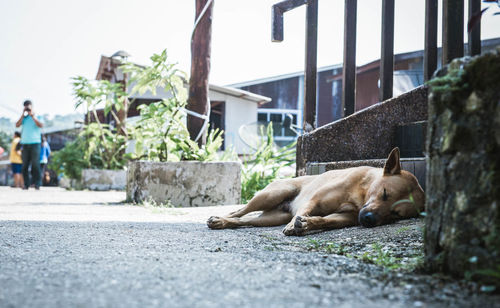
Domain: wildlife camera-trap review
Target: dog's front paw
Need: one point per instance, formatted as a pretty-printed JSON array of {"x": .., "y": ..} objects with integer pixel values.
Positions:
[
  {"x": 300, "y": 225},
  {"x": 289, "y": 229},
  {"x": 215, "y": 222},
  {"x": 297, "y": 226}
]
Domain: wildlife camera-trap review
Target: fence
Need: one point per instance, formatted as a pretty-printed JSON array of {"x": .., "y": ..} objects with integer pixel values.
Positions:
[{"x": 453, "y": 45}]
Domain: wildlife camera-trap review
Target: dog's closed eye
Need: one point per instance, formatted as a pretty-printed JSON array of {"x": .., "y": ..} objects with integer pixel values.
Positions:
[{"x": 385, "y": 196}]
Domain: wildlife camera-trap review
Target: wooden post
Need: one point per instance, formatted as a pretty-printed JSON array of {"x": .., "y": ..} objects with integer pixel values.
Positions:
[
  {"x": 311, "y": 65},
  {"x": 198, "y": 99},
  {"x": 453, "y": 30},
  {"x": 475, "y": 33},
  {"x": 430, "y": 49},
  {"x": 122, "y": 114},
  {"x": 349, "y": 66},
  {"x": 387, "y": 53}
]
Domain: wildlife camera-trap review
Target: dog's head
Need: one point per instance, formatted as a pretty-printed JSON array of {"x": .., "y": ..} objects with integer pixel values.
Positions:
[{"x": 394, "y": 194}]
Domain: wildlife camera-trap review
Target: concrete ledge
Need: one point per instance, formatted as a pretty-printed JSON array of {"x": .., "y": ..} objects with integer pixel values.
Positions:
[
  {"x": 369, "y": 133},
  {"x": 6, "y": 177},
  {"x": 97, "y": 179},
  {"x": 185, "y": 183},
  {"x": 413, "y": 165}
]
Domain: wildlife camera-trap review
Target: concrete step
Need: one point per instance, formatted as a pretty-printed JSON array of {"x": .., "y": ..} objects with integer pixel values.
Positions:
[
  {"x": 415, "y": 165},
  {"x": 410, "y": 138},
  {"x": 369, "y": 133}
]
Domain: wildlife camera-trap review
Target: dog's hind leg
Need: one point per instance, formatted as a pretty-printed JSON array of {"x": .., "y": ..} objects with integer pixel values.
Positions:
[
  {"x": 269, "y": 198},
  {"x": 266, "y": 219}
]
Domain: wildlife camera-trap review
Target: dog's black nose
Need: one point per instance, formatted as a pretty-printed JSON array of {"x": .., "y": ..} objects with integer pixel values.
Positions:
[{"x": 367, "y": 219}]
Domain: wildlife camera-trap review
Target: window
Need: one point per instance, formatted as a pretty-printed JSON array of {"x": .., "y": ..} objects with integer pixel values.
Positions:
[{"x": 284, "y": 123}]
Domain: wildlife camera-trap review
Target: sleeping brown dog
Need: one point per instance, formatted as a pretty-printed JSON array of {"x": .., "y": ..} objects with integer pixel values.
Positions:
[{"x": 335, "y": 199}]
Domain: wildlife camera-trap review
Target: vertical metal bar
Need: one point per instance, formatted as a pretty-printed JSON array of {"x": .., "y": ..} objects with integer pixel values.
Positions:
[
  {"x": 430, "y": 49},
  {"x": 349, "y": 67},
  {"x": 311, "y": 62},
  {"x": 387, "y": 52},
  {"x": 475, "y": 33},
  {"x": 453, "y": 30},
  {"x": 277, "y": 24}
]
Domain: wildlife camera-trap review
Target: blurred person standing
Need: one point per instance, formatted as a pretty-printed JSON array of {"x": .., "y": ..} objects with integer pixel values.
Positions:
[
  {"x": 31, "y": 138},
  {"x": 44, "y": 156},
  {"x": 16, "y": 161}
]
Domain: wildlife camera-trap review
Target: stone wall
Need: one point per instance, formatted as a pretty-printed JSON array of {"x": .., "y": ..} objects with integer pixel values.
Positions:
[
  {"x": 463, "y": 170},
  {"x": 186, "y": 183},
  {"x": 96, "y": 179},
  {"x": 367, "y": 134}
]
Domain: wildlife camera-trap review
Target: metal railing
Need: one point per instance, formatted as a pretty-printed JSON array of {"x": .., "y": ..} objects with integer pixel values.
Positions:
[{"x": 453, "y": 45}]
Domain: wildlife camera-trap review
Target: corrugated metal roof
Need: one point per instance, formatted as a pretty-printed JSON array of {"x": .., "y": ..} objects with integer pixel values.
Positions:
[
  {"x": 281, "y": 77},
  {"x": 397, "y": 57}
]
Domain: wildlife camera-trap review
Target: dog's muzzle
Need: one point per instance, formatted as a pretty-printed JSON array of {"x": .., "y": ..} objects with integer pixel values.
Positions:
[{"x": 367, "y": 218}]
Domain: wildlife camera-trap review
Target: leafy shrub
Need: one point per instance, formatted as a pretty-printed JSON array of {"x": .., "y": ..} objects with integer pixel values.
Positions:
[
  {"x": 69, "y": 160},
  {"x": 95, "y": 147},
  {"x": 264, "y": 165},
  {"x": 5, "y": 141},
  {"x": 104, "y": 148},
  {"x": 161, "y": 133}
]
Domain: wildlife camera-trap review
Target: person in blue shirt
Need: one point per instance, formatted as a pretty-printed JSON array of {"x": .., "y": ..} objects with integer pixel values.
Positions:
[
  {"x": 44, "y": 157},
  {"x": 31, "y": 138}
]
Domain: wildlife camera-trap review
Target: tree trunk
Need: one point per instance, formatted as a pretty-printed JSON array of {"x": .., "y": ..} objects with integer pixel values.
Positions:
[
  {"x": 122, "y": 114},
  {"x": 198, "y": 99},
  {"x": 462, "y": 235}
]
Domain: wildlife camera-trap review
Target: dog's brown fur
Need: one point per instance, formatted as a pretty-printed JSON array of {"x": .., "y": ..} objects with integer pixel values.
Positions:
[{"x": 335, "y": 199}]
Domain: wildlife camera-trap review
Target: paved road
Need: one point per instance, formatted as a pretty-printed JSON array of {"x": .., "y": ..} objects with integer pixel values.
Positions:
[{"x": 71, "y": 248}]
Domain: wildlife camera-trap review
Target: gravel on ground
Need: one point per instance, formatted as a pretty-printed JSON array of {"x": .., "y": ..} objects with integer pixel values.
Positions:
[{"x": 62, "y": 248}]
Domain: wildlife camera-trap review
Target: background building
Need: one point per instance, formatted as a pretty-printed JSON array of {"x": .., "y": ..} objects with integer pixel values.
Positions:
[
  {"x": 231, "y": 108},
  {"x": 286, "y": 91}
]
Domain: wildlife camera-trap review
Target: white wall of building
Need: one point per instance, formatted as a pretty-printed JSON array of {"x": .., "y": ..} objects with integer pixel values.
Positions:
[{"x": 238, "y": 112}]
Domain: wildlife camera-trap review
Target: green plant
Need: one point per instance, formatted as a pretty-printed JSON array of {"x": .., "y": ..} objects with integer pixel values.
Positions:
[
  {"x": 92, "y": 94},
  {"x": 104, "y": 148},
  {"x": 161, "y": 134},
  {"x": 5, "y": 140},
  {"x": 410, "y": 200},
  {"x": 402, "y": 230},
  {"x": 490, "y": 276},
  {"x": 69, "y": 160},
  {"x": 382, "y": 257},
  {"x": 263, "y": 167},
  {"x": 328, "y": 247}
]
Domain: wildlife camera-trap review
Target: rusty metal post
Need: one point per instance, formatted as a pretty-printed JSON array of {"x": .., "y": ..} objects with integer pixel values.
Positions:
[
  {"x": 475, "y": 34},
  {"x": 430, "y": 49},
  {"x": 311, "y": 51},
  {"x": 453, "y": 30},
  {"x": 277, "y": 17},
  {"x": 311, "y": 65},
  {"x": 387, "y": 52},
  {"x": 349, "y": 66}
]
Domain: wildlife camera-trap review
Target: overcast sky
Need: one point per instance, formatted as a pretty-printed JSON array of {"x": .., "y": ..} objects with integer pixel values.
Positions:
[{"x": 44, "y": 43}]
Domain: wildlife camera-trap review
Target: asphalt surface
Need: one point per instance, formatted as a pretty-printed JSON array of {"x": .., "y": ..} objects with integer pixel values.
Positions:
[{"x": 86, "y": 249}]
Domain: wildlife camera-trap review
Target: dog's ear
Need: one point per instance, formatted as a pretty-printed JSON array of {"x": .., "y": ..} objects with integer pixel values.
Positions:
[{"x": 392, "y": 164}]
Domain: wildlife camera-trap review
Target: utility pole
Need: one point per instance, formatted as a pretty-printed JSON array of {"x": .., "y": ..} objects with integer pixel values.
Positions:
[{"x": 198, "y": 99}]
